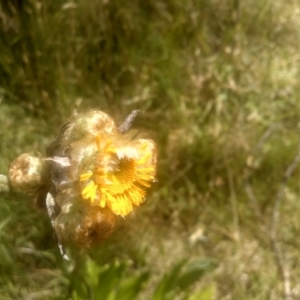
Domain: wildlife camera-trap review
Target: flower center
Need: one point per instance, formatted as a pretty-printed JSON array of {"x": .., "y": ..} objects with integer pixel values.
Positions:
[{"x": 122, "y": 179}]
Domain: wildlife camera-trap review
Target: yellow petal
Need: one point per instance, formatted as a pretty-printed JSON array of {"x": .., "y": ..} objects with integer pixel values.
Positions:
[
  {"x": 86, "y": 176},
  {"x": 143, "y": 183},
  {"x": 146, "y": 170},
  {"x": 143, "y": 159},
  {"x": 90, "y": 191},
  {"x": 135, "y": 197}
]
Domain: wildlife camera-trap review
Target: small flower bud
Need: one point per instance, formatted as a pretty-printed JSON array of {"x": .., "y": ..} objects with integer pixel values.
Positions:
[
  {"x": 93, "y": 122},
  {"x": 84, "y": 225},
  {"x": 25, "y": 173}
]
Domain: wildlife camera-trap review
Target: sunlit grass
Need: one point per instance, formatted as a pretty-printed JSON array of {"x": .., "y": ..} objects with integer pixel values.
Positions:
[{"x": 219, "y": 85}]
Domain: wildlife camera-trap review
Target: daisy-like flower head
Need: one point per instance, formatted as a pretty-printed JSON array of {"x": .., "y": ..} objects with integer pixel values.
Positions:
[{"x": 119, "y": 173}]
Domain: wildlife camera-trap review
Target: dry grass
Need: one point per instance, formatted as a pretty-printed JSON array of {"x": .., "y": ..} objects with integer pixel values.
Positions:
[{"x": 219, "y": 84}]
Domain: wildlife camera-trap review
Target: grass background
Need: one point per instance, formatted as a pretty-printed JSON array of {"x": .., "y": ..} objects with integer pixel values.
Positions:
[{"x": 218, "y": 82}]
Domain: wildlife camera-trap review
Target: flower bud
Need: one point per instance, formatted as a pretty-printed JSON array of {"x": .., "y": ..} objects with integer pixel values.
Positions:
[
  {"x": 93, "y": 122},
  {"x": 84, "y": 225},
  {"x": 25, "y": 173}
]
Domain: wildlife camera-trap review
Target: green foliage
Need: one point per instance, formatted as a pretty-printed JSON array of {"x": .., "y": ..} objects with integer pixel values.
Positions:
[
  {"x": 6, "y": 260},
  {"x": 111, "y": 282},
  {"x": 108, "y": 282},
  {"x": 181, "y": 277}
]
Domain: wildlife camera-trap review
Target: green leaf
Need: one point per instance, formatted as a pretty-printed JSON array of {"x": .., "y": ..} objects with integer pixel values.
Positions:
[
  {"x": 207, "y": 293},
  {"x": 194, "y": 271},
  {"x": 130, "y": 287},
  {"x": 78, "y": 288},
  {"x": 4, "y": 223},
  {"x": 6, "y": 259},
  {"x": 108, "y": 279},
  {"x": 92, "y": 272},
  {"x": 75, "y": 296},
  {"x": 169, "y": 282}
]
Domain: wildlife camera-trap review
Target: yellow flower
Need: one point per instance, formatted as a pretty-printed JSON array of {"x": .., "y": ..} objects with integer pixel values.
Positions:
[
  {"x": 120, "y": 173},
  {"x": 93, "y": 171}
]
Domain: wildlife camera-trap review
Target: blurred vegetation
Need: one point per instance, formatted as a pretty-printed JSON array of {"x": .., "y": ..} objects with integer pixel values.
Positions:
[{"x": 218, "y": 82}]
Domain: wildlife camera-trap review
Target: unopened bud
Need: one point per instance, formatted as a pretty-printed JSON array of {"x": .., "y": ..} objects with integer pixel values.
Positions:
[
  {"x": 93, "y": 122},
  {"x": 25, "y": 173},
  {"x": 85, "y": 225}
]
